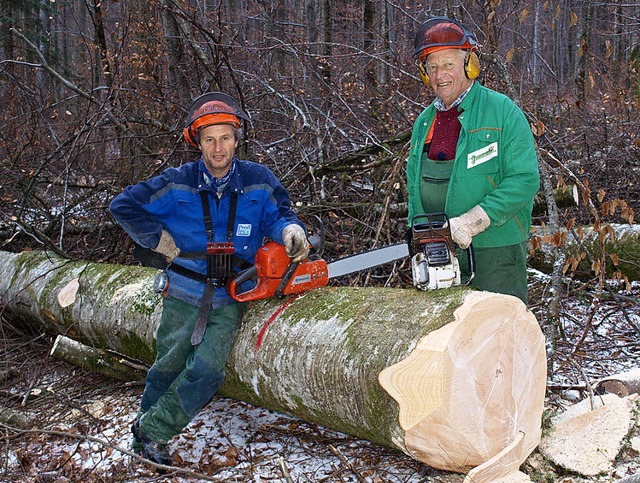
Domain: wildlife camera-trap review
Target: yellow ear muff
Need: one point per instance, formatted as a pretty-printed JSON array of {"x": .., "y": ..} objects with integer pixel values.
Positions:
[
  {"x": 471, "y": 65},
  {"x": 423, "y": 74}
]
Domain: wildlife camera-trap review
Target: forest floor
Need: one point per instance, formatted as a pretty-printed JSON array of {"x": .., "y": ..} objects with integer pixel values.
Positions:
[{"x": 70, "y": 425}]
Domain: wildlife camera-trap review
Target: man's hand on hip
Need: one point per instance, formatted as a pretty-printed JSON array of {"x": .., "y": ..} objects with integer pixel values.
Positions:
[{"x": 167, "y": 246}]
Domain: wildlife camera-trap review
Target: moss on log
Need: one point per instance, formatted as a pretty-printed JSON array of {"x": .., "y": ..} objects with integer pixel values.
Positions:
[
  {"x": 320, "y": 358},
  {"x": 115, "y": 307}
]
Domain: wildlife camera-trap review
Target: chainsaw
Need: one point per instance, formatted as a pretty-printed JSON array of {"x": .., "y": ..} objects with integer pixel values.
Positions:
[{"x": 434, "y": 262}]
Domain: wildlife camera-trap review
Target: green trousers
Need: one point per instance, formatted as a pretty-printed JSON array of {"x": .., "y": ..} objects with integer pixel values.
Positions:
[
  {"x": 499, "y": 269},
  {"x": 184, "y": 378}
]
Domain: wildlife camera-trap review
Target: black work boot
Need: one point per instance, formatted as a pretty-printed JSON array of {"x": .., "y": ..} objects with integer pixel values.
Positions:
[{"x": 149, "y": 449}]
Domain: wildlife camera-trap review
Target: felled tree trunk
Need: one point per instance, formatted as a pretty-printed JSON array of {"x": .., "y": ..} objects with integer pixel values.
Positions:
[
  {"x": 105, "y": 306},
  {"x": 565, "y": 197},
  {"x": 455, "y": 378},
  {"x": 622, "y": 384}
]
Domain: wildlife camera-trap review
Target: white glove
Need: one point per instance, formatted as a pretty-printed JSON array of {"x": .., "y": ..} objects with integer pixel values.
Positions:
[
  {"x": 468, "y": 225},
  {"x": 295, "y": 242},
  {"x": 167, "y": 247}
]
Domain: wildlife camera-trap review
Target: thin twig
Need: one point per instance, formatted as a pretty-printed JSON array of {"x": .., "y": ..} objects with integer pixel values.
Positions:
[
  {"x": 104, "y": 443},
  {"x": 587, "y": 328},
  {"x": 586, "y": 382},
  {"x": 285, "y": 471},
  {"x": 347, "y": 463}
]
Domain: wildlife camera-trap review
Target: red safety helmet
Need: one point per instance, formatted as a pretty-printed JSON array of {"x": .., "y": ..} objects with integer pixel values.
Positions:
[
  {"x": 439, "y": 33},
  {"x": 209, "y": 109}
]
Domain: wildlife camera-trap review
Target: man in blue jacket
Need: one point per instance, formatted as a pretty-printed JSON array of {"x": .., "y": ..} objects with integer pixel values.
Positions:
[{"x": 207, "y": 218}]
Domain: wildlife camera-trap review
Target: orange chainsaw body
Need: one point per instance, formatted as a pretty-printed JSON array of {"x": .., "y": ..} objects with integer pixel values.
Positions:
[{"x": 276, "y": 275}]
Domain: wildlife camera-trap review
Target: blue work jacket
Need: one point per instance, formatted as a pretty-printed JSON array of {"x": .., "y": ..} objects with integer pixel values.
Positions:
[{"x": 171, "y": 201}]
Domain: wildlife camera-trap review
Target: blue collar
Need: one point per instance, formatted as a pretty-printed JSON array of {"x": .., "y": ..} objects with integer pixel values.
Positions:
[{"x": 218, "y": 185}]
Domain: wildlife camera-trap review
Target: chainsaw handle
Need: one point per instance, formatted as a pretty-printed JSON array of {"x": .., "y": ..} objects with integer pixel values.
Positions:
[
  {"x": 472, "y": 263},
  {"x": 248, "y": 274},
  {"x": 285, "y": 279},
  {"x": 317, "y": 239}
]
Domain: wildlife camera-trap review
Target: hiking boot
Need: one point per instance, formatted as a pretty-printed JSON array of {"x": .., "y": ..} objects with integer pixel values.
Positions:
[{"x": 149, "y": 449}]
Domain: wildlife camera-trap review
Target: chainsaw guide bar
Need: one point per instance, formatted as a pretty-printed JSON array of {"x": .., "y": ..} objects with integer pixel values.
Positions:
[{"x": 366, "y": 260}]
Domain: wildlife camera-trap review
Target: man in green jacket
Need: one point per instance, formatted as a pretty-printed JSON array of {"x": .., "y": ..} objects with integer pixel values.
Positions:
[{"x": 473, "y": 157}]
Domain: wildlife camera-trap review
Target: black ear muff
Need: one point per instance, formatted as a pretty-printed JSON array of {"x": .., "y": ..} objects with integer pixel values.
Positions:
[
  {"x": 471, "y": 65},
  {"x": 423, "y": 74}
]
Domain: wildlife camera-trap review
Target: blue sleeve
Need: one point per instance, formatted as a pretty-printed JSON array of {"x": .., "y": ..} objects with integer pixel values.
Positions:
[{"x": 139, "y": 209}]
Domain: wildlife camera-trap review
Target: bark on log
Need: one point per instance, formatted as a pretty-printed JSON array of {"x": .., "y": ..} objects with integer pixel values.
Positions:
[
  {"x": 620, "y": 384},
  {"x": 101, "y": 361},
  {"x": 480, "y": 388},
  {"x": 565, "y": 197},
  {"x": 623, "y": 242},
  {"x": 101, "y": 305}
]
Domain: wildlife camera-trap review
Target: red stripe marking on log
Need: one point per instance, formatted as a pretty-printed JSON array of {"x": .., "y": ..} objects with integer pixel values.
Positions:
[{"x": 273, "y": 317}]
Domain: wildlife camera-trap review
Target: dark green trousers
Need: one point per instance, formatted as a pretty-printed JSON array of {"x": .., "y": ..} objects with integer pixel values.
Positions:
[
  {"x": 184, "y": 378},
  {"x": 499, "y": 269}
]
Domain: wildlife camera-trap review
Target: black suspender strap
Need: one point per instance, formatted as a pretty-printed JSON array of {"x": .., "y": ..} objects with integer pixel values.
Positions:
[
  {"x": 231, "y": 221},
  {"x": 216, "y": 262},
  {"x": 206, "y": 214},
  {"x": 208, "y": 221}
]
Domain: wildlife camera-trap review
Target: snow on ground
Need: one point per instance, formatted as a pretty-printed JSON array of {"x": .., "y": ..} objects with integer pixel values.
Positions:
[{"x": 230, "y": 441}]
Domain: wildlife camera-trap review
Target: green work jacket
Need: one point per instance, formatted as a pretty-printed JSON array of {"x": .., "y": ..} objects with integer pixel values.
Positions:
[{"x": 495, "y": 166}]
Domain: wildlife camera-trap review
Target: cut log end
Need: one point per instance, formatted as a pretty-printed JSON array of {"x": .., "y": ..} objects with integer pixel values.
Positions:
[{"x": 469, "y": 389}]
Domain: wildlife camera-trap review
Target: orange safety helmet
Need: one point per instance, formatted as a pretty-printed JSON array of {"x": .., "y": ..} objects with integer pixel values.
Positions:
[
  {"x": 440, "y": 33},
  {"x": 209, "y": 109}
]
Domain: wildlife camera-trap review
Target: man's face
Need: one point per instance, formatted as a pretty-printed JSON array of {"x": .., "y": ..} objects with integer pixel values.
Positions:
[
  {"x": 218, "y": 145},
  {"x": 446, "y": 74}
]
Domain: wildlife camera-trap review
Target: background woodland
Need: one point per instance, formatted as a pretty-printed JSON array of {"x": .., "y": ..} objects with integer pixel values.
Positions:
[{"x": 94, "y": 97}]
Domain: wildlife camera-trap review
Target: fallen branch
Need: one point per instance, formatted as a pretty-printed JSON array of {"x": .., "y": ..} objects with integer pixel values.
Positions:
[
  {"x": 347, "y": 463},
  {"x": 101, "y": 361},
  {"x": 106, "y": 444}
]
